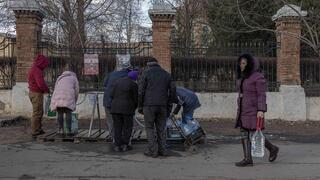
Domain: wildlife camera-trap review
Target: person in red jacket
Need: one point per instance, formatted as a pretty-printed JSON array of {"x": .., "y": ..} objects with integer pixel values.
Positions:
[{"x": 37, "y": 87}]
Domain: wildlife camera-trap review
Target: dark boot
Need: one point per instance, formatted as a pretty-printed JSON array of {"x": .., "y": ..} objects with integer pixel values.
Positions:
[
  {"x": 126, "y": 148},
  {"x": 117, "y": 149},
  {"x": 150, "y": 154},
  {"x": 163, "y": 153},
  {"x": 272, "y": 149},
  {"x": 247, "y": 161}
]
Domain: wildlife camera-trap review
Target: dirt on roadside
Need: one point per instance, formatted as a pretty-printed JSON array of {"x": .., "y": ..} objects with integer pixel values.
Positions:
[{"x": 226, "y": 127}]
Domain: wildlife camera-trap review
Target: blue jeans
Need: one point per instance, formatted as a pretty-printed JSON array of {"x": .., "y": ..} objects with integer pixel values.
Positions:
[{"x": 187, "y": 116}]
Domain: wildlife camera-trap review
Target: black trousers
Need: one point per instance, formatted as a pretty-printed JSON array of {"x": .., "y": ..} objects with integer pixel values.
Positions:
[
  {"x": 61, "y": 111},
  {"x": 155, "y": 116},
  {"x": 122, "y": 125}
]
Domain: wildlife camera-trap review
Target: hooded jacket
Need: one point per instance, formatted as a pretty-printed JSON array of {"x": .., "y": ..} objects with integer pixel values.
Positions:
[
  {"x": 252, "y": 97},
  {"x": 36, "y": 75},
  {"x": 66, "y": 91}
]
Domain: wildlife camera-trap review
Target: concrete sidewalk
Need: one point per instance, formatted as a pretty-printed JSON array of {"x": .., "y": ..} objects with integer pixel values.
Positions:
[{"x": 96, "y": 161}]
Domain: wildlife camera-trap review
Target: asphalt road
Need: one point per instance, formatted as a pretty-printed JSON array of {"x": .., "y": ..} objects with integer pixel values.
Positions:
[{"x": 215, "y": 160}]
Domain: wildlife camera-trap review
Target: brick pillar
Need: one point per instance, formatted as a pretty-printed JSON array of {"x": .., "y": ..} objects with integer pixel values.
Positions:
[
  {"x": 293, "y": 99},
  {"x": 29, "y": 16},
  {"x": 161, "y": 30},
  {"x": 288, "y": 55},
  {"x": 28, "y": 29}
]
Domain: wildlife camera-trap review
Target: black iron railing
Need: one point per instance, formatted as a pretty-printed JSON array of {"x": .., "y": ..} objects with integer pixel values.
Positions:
[
  {"x": 59, "y": 56},
  {"x": 203, "y": 69},
  {"x": 310, "y": 75},
  {"x": 7, "y": 62},
  {"x": 217, "y": 74},
  {"x": 213, "y": 68}
]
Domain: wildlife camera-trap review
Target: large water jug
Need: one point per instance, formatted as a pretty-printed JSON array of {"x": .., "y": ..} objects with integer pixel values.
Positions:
[
  {"x": 187, "y": 129},
  {"x": 169, "y": 123},
  {"x": 257, "y": 141},
  {"x": 194, "y": 124}
]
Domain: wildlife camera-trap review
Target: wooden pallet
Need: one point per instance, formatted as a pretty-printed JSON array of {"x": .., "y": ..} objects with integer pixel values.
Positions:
[
  {"x": 139, "y": 136},
  {"x": 95, "y": 136},
  {"x": 55, "y": 137}
]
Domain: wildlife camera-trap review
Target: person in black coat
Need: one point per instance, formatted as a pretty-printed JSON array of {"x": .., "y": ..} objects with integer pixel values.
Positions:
[
  {"x": 124, "y": 102},
  {"x": 122, "y": 70},
  {"x": 156, "y": 91}
]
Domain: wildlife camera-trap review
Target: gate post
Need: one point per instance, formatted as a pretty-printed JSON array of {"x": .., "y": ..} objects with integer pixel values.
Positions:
[
  {"x": 288, "y": 24},
  {"x": 162, "y": 16},
  {"x": 28, "y": 34}
]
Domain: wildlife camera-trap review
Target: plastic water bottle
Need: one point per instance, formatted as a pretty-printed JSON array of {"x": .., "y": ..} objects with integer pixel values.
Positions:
[
  {"x": 187, "y": 129},
  {"x": 179, "y": 122},
  {"x": 257, "y": 144},
  {"x": 257, "y": 141},
  {"x": 195, "y": 124},
  {"x": 169, "y": 123}
]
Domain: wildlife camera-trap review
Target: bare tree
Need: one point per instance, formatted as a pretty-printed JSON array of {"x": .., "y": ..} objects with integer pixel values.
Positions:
[
  {"x": 190, "y": 15},
  {"x": 95, "y": 18},
  {"x": 75, "y": 17},
  {"x": 255, "y": 16},
  {"x": 78, "y": 22},
  {"x": 128, "y": 20},
  {"x": 6, "y": 17}
]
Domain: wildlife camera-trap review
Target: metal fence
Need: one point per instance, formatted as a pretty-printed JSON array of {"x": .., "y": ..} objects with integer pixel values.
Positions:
[
  {"x": 217, "y": 49},
  {"x": 310, "y": 75},
  {"x": 203, "y": 69},
  {"x": 59, "y": 56},
  {"x": 310, "y": 70},
  {"x": 7, "y": 62},
  {"x": 213, "y": 68}
]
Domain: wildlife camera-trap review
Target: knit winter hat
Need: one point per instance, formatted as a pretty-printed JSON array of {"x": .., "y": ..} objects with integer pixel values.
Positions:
[
  {"x": 123, "y": 61},
  {"x": 133, "y": 75}
]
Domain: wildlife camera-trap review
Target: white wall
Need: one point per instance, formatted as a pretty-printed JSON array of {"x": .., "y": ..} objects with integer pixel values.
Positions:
[
  {"x": 217, "y": 105},
  {"x": 313, "y": 108},
  {"x": 20, "y": 101},
  {"x": 214, "y": 105},
  {"x": 224, "y": 105}
]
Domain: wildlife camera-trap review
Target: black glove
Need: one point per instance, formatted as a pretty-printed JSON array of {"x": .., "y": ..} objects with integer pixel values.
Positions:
[{"x": 140, "y": 110}]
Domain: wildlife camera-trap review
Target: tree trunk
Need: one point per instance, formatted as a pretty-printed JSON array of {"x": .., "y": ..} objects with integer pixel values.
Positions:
[{"x": 81, "y": 22}]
